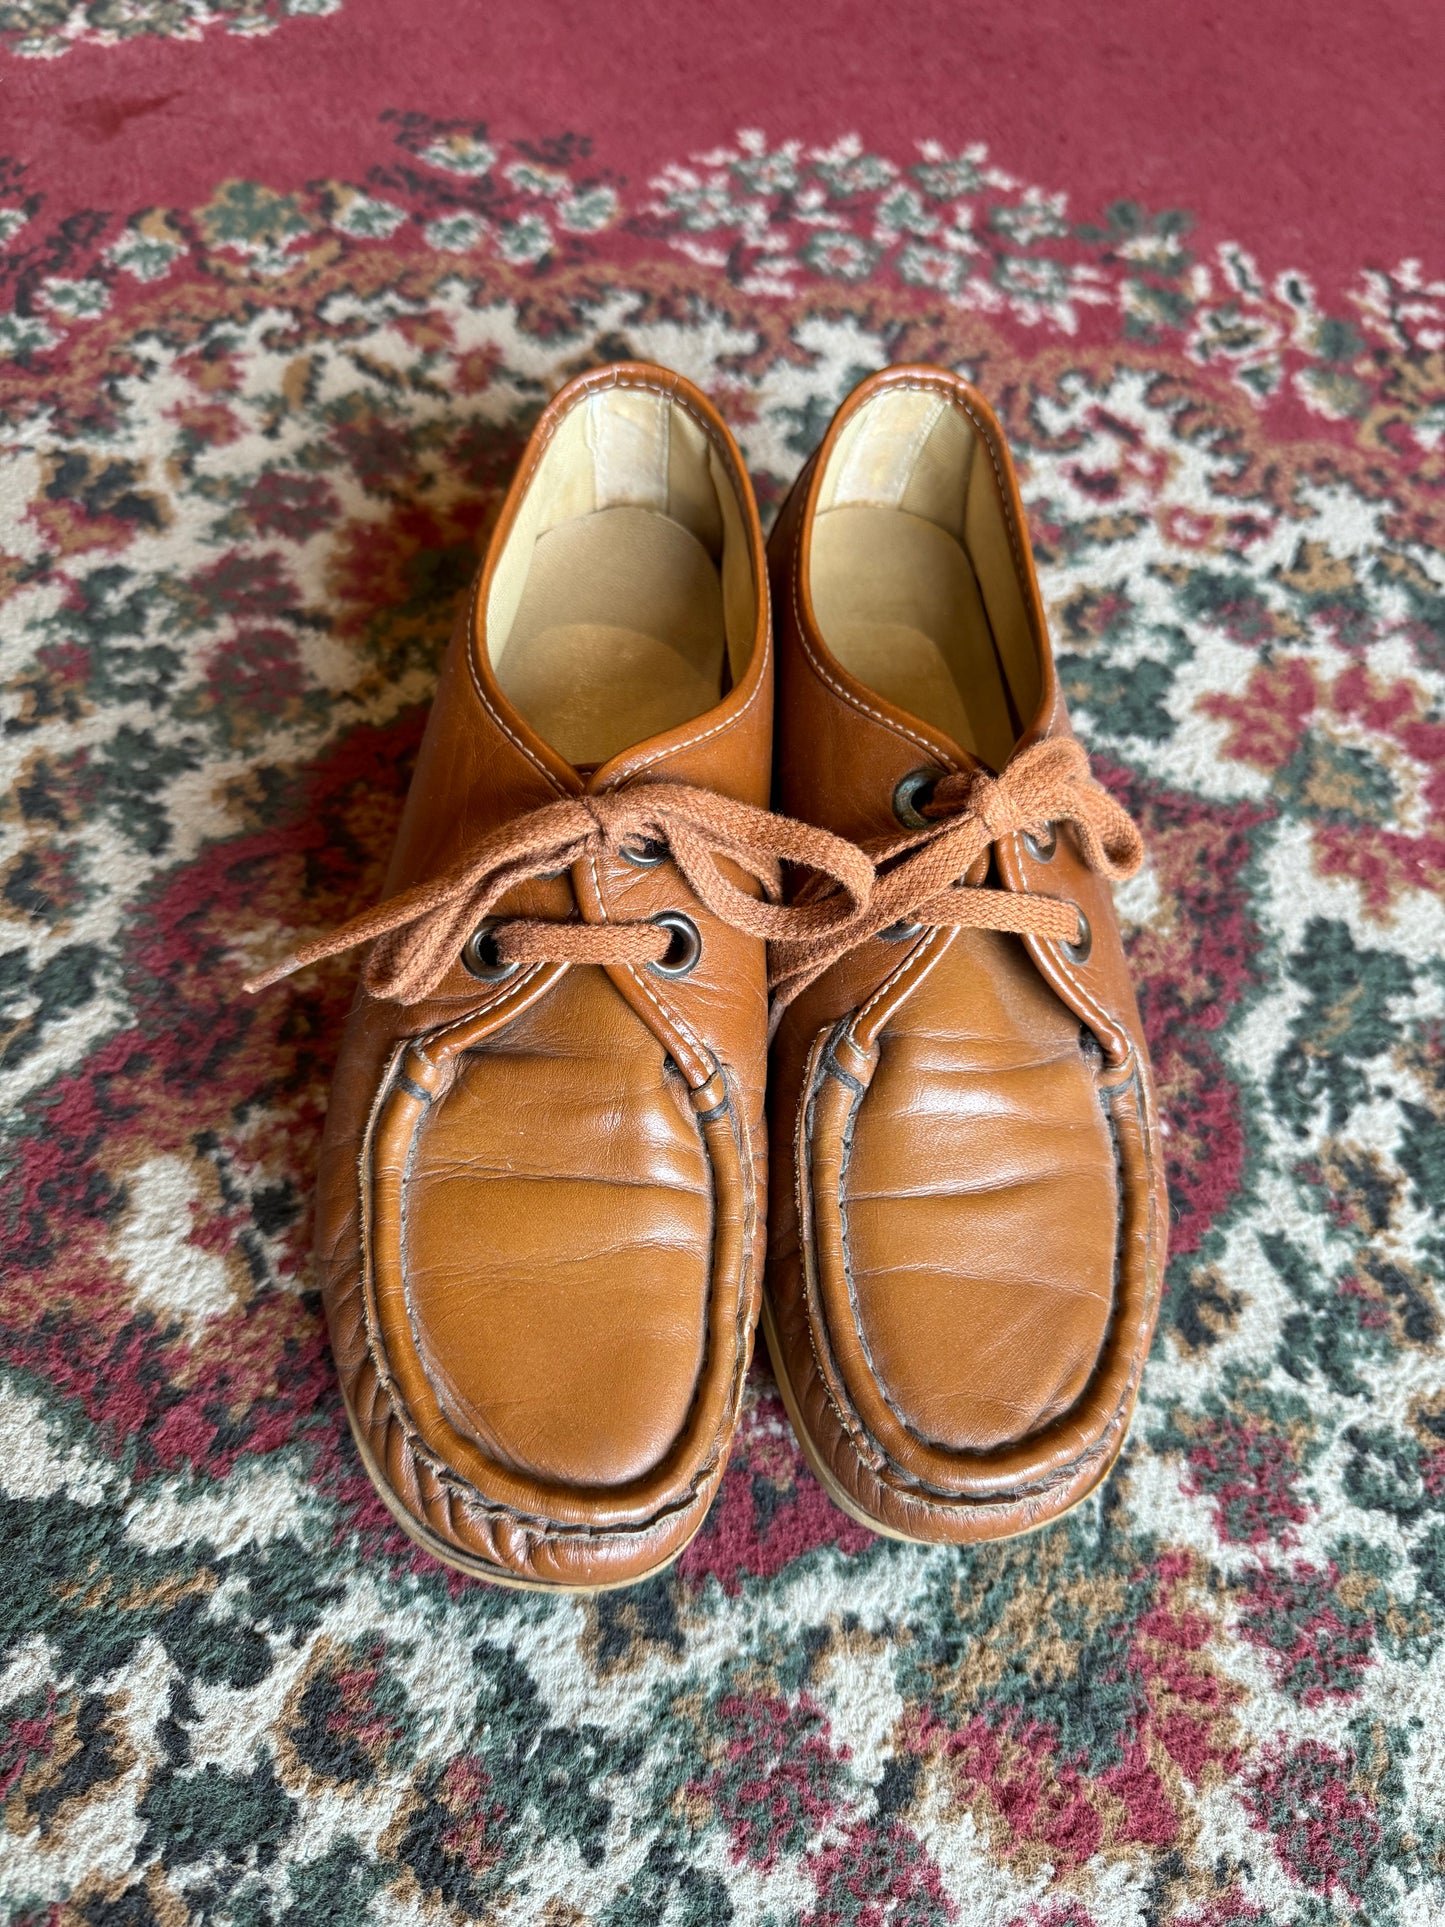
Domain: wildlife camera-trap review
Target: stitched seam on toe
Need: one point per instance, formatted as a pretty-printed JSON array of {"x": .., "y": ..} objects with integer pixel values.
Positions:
[
  {"x": 458, "y": 1489},
  {"x": 892, "y": 1476},
  {"x": 807, "y": 1243}
]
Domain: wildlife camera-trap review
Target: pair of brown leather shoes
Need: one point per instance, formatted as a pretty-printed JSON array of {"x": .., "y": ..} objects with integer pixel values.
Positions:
[{"x": 542, "y": 1215}]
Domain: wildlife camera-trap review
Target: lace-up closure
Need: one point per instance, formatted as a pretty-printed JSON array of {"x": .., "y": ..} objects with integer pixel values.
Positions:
[
  {"x": 420, "y": 933},
  {"x": 922, "y": 878}
]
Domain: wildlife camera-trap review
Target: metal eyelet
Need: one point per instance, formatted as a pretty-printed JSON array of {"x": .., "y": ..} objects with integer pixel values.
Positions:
[
  {"x": 1078, "y": 952},
  {"x": 900, "y": 932},
  {"x": 1041, "y": 847},
  {"x": 646, "y": 855},
  {"x": 912, "y": 790},
  {"x": 479, "y": 954},
  {"x": 685, "y": 950}
]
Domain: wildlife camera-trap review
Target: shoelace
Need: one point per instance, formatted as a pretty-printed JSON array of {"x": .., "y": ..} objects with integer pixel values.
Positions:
[
  {"x": 905, "y": 883},
  {"x": 418, "y": 934},
  {"x": 919, "y": 876}
]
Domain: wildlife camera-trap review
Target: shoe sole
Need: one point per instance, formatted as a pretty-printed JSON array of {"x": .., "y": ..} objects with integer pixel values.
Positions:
[
  {"x": 449, "y": 1555},
  {"x": 845, "y": 1503}
]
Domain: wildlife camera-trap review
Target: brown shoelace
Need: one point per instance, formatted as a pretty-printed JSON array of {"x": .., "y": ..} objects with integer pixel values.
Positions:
[
  {"x": 919, "y": 880},
  {"x": 418, "y": 934}
]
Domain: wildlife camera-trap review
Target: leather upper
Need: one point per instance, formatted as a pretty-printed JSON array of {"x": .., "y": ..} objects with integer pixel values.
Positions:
[
  {"x": 541, "y": 1196},
  {"x": 969, "y": 1217}
]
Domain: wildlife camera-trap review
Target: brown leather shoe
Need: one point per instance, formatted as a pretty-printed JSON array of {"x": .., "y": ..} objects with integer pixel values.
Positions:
[
  {"x": 969, "y": 1212},
  {"x": 539, "y": 1219}
]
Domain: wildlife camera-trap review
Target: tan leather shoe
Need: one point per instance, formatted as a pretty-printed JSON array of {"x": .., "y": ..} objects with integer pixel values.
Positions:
[
  {"x": 969, "y": 1212},
  {"x": 539, "y": 1218}
]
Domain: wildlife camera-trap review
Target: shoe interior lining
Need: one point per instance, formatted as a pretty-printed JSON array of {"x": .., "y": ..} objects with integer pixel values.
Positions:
[
  {"x": 913, "y": 578},
  {"x": 623, "y": 603}
]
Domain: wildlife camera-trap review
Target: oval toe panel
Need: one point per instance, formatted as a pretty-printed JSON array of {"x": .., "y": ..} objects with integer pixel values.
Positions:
[
  {"x": 558, "y": 1242},
  {"x": 981, "y": 1203}
]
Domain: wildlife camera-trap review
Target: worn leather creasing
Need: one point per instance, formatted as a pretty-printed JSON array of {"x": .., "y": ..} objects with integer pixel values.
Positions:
[
  {"x": 429, "y": 1434},
  {"x": 1001, "y": 1492},
  {"x": 828, "y": 1068},
  {"x": 508, "y": 1538}
]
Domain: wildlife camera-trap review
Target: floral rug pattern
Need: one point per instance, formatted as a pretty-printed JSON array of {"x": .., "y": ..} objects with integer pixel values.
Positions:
[
  {"x": 250, "y": 449},
  {"x": 47, "y": 29}
]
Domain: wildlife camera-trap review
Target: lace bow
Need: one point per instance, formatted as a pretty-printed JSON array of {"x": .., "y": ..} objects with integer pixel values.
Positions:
[
  {"x": 919, "y": 876},
  {"x": 418, "y": 934}
]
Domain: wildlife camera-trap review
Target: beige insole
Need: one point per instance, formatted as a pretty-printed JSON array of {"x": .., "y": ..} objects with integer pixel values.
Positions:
[
  {"x": 898, "y": 604},
  {"x": 618, "y": 635}
]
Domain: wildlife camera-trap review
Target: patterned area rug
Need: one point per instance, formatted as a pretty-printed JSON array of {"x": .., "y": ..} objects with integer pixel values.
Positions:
[{"x": 251, "y": 445}]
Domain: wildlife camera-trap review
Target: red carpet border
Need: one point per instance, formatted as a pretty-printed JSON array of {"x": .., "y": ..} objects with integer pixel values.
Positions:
[{"x": 251, "y": 445}]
